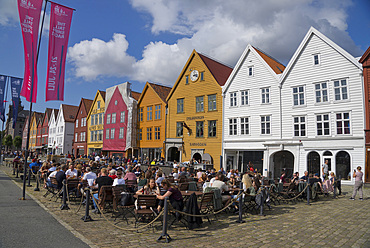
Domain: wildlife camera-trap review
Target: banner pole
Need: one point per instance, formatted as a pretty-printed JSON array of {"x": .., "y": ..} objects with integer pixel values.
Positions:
[{"x": 30, "y": 113}]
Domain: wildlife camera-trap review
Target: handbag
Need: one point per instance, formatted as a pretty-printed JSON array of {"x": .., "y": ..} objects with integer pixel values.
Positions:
[{"x": 126, "y": 199}]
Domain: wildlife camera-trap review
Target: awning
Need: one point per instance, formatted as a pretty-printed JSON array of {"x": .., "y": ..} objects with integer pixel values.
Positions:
[{"x": 38, "y": 147}]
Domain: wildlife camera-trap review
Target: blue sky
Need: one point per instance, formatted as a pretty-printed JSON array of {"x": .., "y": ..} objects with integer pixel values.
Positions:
[{"x": 150, "y": 40}]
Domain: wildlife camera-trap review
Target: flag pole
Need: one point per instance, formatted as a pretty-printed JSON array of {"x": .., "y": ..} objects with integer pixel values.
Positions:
[{"x": 30, "y": 113}]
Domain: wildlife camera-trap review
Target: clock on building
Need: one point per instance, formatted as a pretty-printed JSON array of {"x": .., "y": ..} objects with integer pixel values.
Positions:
[{"x": 194, "y": 75}]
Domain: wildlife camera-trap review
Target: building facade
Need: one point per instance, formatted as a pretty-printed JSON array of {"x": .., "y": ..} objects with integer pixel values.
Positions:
[
  {"x": 20, "y": 122},
  {"x": 365, "y": 61},
  {"x": 194, "y": 121},
  {"x": 316, "y": 113},
  {"x": 95, "y": 124},
  {"x": 24, "y": 134},
  {"x": 52, "y": 146},
  {"x": 120, "y": 124},
  {"x": 35, "y": 120},
  {"x": 152, "y": 121},
  {"x": 80, "y": 131},
  {"x": 250, "y": 95}
]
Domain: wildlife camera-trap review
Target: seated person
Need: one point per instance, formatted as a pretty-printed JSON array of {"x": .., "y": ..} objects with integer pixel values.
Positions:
[
  {"x": 89, "y": 176},
  {"x": 130, "y": 175},
  {"x": 149, "y": 189},
  {"x": 71, "y": 172},
  {"x": 60, "y": 176},
  {"x": 48, "y": 181},
  {"x": 174, "y": 195},
  {"x": 119, "y": 180},
  {"x": 103, "y": 180},
  {"x": 232, "y": 181},
  {"x": 316, "y": 179},
  {"x": 203, "y": 178},
  {"x": 218, "y": 183},
  {"x": 305, "y": 177},
  {"x": 159, "y": 178},
  {"x": 113, "y": 174},
  {"x": 283, "y": 177}
]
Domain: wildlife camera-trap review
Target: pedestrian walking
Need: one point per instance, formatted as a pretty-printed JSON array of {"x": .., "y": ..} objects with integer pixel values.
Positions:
[{"x": 358, "y": 183}]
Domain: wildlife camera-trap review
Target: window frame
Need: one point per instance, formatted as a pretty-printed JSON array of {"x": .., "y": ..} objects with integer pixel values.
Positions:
[
  {"x": 199, "y": 129},
  {"x": 323, "y": 126},
  {"x": 265, "y": 124},
  {"x": 112, "y": 133},
  {"x": 179, "y": 125},
  {"x": 212, "y": 103},
  {"x": 299, "y": 95},
  {"x": 149, "y": 133},
  {"x": 114, "y": 118},
  {"x": 180, "y": 105},
  {"x": 340, "y": 87},
  {"x": 121, "y": 133},
  {"x": 265, "y": 94},
  {"x": 244, "y": 126},
  {"x": 158, "y": 111},
  {"x": 318, "y": 59},
  {"x": 233, "y": 126},
  {"x": 199, "y": 104},
  {"x": 149, "y": 113},
  {"x": 212, "y": 128},
  {"x": 299, "y": 124},
  {"x": 321, "y": 90},
  {"x": 233, "y": 99},
  {"x": 244, "y": 97},
  {"x": 108, "y": 118},
  {"x": 343, "y": 121},
  {"x": 157, "y": 133}
]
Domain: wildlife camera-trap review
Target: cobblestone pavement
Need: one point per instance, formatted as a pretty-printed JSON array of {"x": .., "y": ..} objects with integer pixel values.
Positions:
[{"x": 326, "y": 223}]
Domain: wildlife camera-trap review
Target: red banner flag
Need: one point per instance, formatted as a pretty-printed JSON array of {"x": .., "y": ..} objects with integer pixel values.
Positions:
[
  {"x": 60, "y": 23},
  {"x": 29, "y": 16}
]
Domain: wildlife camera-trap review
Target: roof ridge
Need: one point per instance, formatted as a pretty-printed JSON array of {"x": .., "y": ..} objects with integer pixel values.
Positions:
[
  {"x": 268, "y": 55},
  {"x": 215, "y": 60}
]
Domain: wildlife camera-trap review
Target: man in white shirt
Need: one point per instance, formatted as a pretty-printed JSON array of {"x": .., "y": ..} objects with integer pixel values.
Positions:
[
  {"x": 175, "y": 165},
  {"x": 71, "y": 172},
  {"x": 218, "y": 183},
  {"x": 97, "y": 158},
  {"x": 89, "y": 176}
]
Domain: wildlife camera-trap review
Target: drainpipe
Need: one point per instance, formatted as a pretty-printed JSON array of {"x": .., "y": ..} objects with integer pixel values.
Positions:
[
  {"x": 281, "y": 113},
  {"x": 165, "y": 132},
  {"x": 222, "y": 131}
]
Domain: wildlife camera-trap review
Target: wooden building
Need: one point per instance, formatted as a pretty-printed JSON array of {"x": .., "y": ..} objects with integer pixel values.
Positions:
[
  {"x": 152, "y": 121},
  {"x": 365, "y": 61},
  {"x": 35, "y": 120},
  {"x": 194, "y": 121},
  {"x": 79, "y": 141},
  {"x": 95, "y": 124}
]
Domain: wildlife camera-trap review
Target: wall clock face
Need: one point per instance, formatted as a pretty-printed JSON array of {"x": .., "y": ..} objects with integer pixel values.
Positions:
[{"x": 194, "y": 75}]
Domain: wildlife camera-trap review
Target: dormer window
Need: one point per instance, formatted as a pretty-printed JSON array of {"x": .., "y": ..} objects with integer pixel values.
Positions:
[{"x": 316, "y": 59}]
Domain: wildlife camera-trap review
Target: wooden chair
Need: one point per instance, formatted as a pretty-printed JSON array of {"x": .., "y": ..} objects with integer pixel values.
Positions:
[
  {"x": 171, "y": 179},
  {"x": 122, "y": 210},
  {"x": 144, "y": 205},
  {"x": 206, "y": 204},
  {"x": 105, "y": 196},
  {"x": 249, "y": 202},
  {"x": 183, "y": 186},
  {"x": 131, "y": 185},
  {"x": 72, "y": 185},
  {"x": 53, "y": 188}
]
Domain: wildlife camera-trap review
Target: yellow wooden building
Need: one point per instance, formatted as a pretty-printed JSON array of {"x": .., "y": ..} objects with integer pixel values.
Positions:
[
  {"x": 95, "y": 124},
  {"x": 194, "y": 121},
  {"x": 151, "y": 121},
  {"x": 35, "y": 119}
]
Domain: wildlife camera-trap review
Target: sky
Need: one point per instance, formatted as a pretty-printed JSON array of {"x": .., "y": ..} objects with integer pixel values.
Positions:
[{"x": 116, "y": 41}]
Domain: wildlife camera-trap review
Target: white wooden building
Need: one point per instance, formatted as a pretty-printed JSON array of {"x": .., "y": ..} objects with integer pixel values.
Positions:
[{"x": 316, "y": 112}]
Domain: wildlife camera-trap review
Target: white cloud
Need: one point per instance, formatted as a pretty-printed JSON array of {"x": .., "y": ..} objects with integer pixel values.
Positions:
[
  {"x": 8, "y": 12},
  {"x": 221, "y": 29}
]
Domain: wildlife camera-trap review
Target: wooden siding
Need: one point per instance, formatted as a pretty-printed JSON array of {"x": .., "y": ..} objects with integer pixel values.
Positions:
[
  {"x": 95, "y": 110},
  {"x": 261, "y": 78},
  {"x": 189, "y": 92},
  {"x": 151, "y": 98}
]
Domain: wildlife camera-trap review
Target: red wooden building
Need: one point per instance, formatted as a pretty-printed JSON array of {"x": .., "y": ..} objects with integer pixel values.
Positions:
[{"x": 79, "y": 147}]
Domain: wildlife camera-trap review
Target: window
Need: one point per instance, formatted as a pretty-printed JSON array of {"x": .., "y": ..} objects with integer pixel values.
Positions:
[
  {"x": 76, "y": 137},
  {"x": 76, "y": 124},
  {"x": 340, "y": 90},
  {"x": 244, "y": 97},
  {"x": 250, "y": 71},
  {"x": 199, "y": 129},
  {"x": 141, "y": 111},
  {"x": 298, "y": 96},
  {"x": 180, "y": 105},
  {"x": 98, "y": 105},
  {"x": 139, "y": 134},
  {"x": 179, "y": 129},
  {"x": 157, "y": 133},
  {"x": 157, "y": 114},
  {"x": 186, "y": 79},
  {"x": 316, "y": 59},
  {"x": 265, "y": 94},
  {"x": 112, "y": 130},
  {"x": 92, "y": 136},
  {"x": 96, "y": 119},
  {"x": 212, "y": 128},
  {"x": 343, "y": 165},
  {"x": 322, "y": 124},
  {"x": 107, "y": 133},
  {"x": 115, "y": 102},
  {"x": 299, "y": 126},
  {"x": 149, "y": 133},
  {"x": 101, "y": 116},
  {"x": 212, "y": 105},
  {"x": 113, "y": 118},
  {"x": 343, "y": 123},
  {"x": 121, "y": 132},
  {"x": 265, "y": 124},
  {"x": 122, "y": 117},
  {"x": 61, "y": 129},
  {"x": 233, "y": 101},
  {"x": 202, "y": 76},
  {"x": 108, "y": 118},
  {"x": 321, "y": 91},
  {"x": 244, "y": 125},
  {"x": 83, "y": 136},
  {"x": 100, "y": 135},
  {"x": 233, "y": 129},
  {"x": 199, "y": 102},
  {"x": 149, "y": 113}
]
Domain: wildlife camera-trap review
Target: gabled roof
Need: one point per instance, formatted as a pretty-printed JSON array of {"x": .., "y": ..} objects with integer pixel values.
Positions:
[
  {"x": 219, "y": 71},
  {"x": 365, "y": 56},
  {"x": 135, "y": 95},
  {"x": 69, "y": 112},
  {"x": 56, "y": 111},
  {"x": 270, "y": 64},
  {"x": 275, "y": 65},
  {"x": 48, "y": 112},
  {"x": 87, "y": 104},
  {"x": 102, "y": 93},
  {"x": 160, "y": 90},
  {"x": 313, "y": 31},
  {"x": 37, "y": 116}
]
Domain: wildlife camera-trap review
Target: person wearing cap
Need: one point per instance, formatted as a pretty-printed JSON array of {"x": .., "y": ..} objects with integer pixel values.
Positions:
[{"x": 316, "y": 179}]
